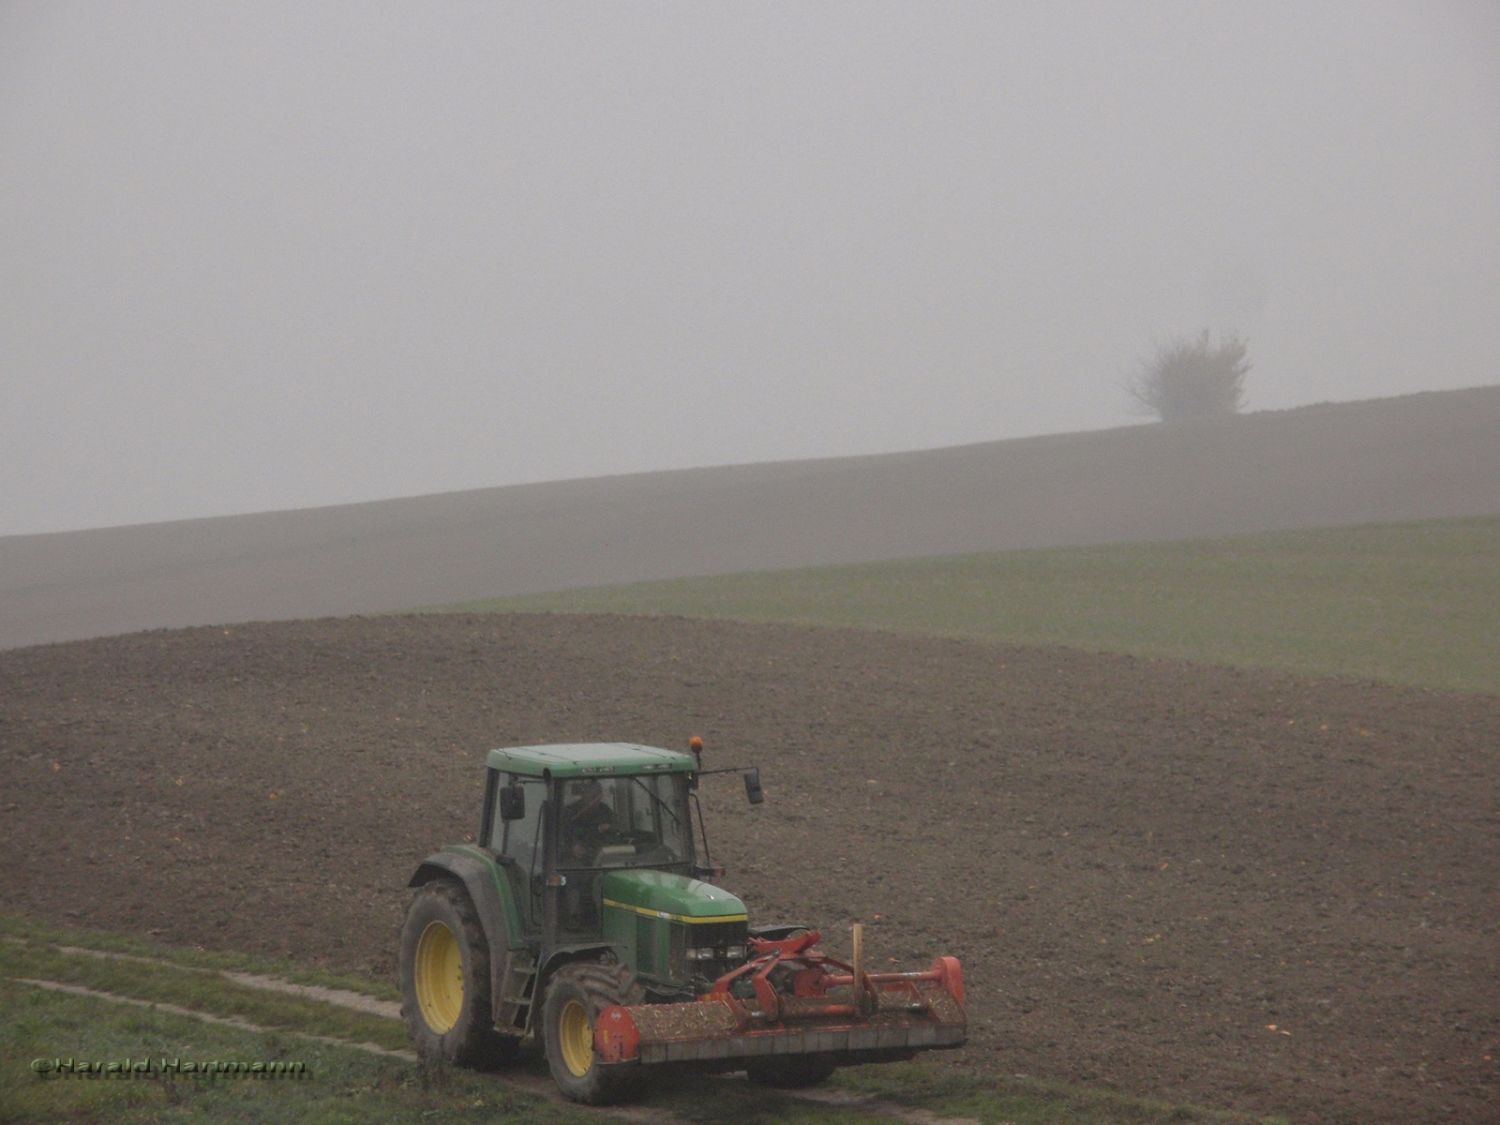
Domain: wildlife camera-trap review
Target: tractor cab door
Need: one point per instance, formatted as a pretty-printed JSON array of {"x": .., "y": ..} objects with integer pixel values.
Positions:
[
  {"x": 586, "y": 819},
  {"x": 520, "y": 842}
]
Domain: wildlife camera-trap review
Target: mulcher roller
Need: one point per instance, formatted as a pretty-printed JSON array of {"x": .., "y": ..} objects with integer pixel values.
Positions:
[{"x": 790, "y": 999}]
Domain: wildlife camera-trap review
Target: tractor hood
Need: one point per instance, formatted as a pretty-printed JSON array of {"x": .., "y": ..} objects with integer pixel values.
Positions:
[{"x": 673, "y": 898}]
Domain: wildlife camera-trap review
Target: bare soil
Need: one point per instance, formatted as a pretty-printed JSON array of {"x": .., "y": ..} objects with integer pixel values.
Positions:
[{"x": 1241, "y": 889}]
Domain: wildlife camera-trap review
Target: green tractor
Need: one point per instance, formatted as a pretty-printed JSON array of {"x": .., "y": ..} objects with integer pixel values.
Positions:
[{"x": 584, "y": 920}]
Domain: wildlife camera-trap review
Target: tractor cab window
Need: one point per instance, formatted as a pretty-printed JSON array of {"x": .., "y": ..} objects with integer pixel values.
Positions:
[
  {"x": 521, "y": 839},
  {"x": 625, "y": 822},
  {"x": 660, "y": 818}
]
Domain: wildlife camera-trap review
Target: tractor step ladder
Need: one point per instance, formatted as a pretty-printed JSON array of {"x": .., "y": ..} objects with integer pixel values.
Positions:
[{"x": 517, "y": 990}]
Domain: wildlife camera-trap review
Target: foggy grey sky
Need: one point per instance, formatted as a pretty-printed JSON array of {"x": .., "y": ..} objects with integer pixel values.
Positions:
[{"x": 265, "y": 256}]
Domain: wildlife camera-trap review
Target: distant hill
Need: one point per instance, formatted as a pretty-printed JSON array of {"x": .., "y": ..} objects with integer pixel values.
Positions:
[{"x": 1416, "y": 457}]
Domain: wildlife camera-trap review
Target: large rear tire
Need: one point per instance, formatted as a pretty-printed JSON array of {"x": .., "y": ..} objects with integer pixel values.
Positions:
[
  {"x": 576, "y": 995},
  {"x": 445, "y": 981}
]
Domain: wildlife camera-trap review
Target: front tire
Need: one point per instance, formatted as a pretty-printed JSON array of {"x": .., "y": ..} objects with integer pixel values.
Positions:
[
  {"x": 445, "y": 980},
  {"x": 575, "y": 997}
]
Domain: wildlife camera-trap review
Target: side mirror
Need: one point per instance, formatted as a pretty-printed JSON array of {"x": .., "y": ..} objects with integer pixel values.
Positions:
[
  {"x": 512, "y": 802},
  {"x": 753, "y": 792}
]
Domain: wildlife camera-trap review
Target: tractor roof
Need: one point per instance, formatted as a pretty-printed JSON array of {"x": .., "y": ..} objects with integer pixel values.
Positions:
[{"x": 589, "y": 759}]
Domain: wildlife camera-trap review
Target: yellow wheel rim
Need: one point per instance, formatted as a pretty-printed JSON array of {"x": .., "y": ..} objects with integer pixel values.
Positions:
[
  {"x": 576, "y": 1037},
  {"x": 439, "y": 973}
]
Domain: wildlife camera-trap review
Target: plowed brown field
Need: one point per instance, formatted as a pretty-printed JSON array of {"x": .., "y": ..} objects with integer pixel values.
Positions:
[{"x": 1236, "y": 888}]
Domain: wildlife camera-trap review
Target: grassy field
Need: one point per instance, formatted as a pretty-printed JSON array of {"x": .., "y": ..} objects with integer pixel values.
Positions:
[
  {"x": 1414, "y": 603},
  {"x": 69, "y": 997}
]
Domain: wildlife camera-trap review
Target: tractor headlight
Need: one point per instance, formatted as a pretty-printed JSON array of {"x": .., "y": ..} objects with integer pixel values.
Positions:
[
  {"x": 707, "y": 949},
  {"x": 719, "y": 953}
]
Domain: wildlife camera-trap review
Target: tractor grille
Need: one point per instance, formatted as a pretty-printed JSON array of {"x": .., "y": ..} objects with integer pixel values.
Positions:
[
  {"x": 704, "y": 951},
  {"x": 717, "y": 934}
]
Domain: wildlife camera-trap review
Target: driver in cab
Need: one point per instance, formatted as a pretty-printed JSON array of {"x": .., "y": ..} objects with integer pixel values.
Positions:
[{"x": 587, "y": 821}]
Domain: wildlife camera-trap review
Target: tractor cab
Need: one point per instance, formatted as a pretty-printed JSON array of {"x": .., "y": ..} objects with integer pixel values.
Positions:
[
  {"x": 597, "y": 844},
  {"x": 617, "y": 823}
]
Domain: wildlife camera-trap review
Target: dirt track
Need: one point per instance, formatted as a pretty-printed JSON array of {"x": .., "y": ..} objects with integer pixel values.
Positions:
[{"x": 1144, "y": 865}]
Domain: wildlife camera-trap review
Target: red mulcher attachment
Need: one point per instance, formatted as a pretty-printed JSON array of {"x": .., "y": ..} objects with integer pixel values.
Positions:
[{"x": 804, "y": 1002}]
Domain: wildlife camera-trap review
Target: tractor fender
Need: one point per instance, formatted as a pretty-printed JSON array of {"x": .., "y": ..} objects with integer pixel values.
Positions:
[{"x": 480, "y": 881}]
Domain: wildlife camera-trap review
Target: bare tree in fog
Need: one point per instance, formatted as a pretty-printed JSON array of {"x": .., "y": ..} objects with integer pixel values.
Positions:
[{"x": 1192, "y": 377}]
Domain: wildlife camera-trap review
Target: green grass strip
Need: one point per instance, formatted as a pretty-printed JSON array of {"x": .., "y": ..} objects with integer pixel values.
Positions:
[
  {"x": 349, "y": 1087},
  {"x": 1413, "y": 603},
  {"x": 187, "y": 987},
  {"x": 28, "y": 929},
  {"x": 336, "y": 1086}
]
